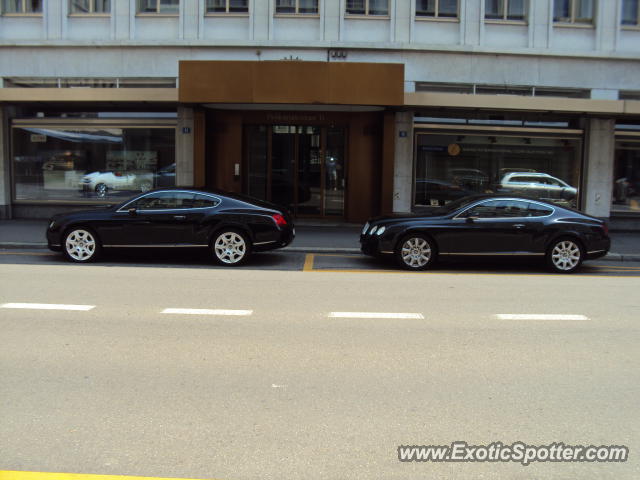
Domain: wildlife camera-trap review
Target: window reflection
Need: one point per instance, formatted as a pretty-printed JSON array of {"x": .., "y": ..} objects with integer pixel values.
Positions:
[
  {"x": 626, "y": 177},
  {"x": 449, "y": 167},
  {"x": 90, "y": 163}
]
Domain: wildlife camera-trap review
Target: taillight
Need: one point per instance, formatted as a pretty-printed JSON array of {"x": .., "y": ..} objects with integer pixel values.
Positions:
[
  {"x": 279, "y": 219},
  {"x": 605, "y": 227}
]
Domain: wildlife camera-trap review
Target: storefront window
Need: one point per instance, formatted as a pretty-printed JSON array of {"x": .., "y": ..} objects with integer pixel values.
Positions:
[
  {"x": 626, "y": 177},
  {"x": 96, "y": 163},
  {"x": 451, "y": 166}
]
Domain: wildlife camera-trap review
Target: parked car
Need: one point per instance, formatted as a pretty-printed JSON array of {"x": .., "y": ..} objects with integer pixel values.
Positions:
[
  {"x": 539, "y": 185},
  {"x": 232, "y": 226},
  {"x": 489, "y": 225},
  {"x": 101, "y": 182}
]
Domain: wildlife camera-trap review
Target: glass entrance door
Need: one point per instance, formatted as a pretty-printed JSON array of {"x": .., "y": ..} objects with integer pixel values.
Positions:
[{"x": 301, "y": 167}]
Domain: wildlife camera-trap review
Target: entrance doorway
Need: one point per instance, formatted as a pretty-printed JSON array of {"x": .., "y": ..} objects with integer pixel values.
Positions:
[{"x": 301, "y": 167}]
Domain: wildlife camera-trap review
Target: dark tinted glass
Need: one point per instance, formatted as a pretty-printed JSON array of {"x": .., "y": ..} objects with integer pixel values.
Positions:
[
  {"x": 164, "y": 201},
  {"x": 204, "y": 201},
  {"x": 537, "y": 210}
]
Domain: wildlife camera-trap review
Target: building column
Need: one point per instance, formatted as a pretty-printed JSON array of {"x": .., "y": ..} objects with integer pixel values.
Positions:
[
  {"x": 598, "y": 178},
  {"x": 403, "y": 163},
  {"x": 184, "y": 148},
  {"x": 5, "y": 171}
]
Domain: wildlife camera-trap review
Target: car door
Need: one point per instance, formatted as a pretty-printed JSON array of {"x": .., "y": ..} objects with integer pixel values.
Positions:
[
  {"x": 162, "y": 219},
  {"x": 498, "y": 226}
]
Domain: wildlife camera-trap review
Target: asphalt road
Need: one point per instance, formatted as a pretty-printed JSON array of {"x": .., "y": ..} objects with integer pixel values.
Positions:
[{"x": 279, "y": 384}]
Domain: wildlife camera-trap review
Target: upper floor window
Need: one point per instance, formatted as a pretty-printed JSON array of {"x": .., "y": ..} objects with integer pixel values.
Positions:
[
  {"x": 171, "y": 7},
  {"x": 297, "y": 6},
  {"x": 367, "y": 7},
  {"x": 227, "y": 6},
  {"x": 22, "y": 6},
  {"x": 630, "y": 12},
  {"x": 89, "y": 6},
  {"x": 573, "y": 11},
  {"x": 437, "y": 8},
  {"x": 505, "y": 10}
]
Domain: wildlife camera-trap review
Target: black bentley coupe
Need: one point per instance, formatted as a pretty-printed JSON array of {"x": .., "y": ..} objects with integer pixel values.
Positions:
[
  {"x": 232, "y": 226},
  {"x": 489, "y": 225}
]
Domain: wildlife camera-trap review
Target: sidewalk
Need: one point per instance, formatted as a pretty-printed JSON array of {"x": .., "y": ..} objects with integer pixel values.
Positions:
[{"x": 310, "y": 237}]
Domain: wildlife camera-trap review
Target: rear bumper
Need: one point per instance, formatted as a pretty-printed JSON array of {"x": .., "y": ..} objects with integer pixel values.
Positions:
[{"x": 284, "y": 239}]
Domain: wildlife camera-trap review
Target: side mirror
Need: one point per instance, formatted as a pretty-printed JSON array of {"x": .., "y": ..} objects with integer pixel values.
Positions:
[
  {"x": 471, "y": 219},
  {"x": 133, "y": 211}
]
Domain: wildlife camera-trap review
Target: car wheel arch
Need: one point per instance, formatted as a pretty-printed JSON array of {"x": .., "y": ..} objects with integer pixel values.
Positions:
[{"x": 213, "y": 232}]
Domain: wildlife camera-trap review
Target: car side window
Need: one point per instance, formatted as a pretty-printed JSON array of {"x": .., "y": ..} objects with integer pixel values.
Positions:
[
  {"x": 164, "y": 201},
  {"x": 205, "y": 201},
  {"x": 537, "y": 210},
  {"x": 499, "y": 209}
]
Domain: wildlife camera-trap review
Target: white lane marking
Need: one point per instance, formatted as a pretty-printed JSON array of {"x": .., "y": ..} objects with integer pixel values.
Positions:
[
  {"x": 512, "y": 316},
  {"x": 47, "y": 306},
  {"x": 206, "y": 311},
  {"x": 418, "y": 316}
]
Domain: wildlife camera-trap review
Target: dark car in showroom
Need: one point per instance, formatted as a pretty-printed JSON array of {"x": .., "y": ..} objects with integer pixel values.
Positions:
[
  {"x": 232, "y": 226},
  {"x": 489, "y": 225}
]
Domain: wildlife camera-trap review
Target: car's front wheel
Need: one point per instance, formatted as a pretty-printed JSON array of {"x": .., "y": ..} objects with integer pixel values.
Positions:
[
  {"x": 415, "y": 252},
  {"x": 231, "y": 248},
  {"x": 565, "y": 255},
  {"x": 81, "y": 245}
]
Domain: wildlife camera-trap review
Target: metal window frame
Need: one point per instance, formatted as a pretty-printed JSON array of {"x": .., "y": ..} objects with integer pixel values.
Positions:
[
  {"x": 92, "y": 9},
  {"x": 366, "y": 11},
  {"x": 157, "y": 9},
  {"x": 459, "y": 216},
  {"x": 23, "y": 10},
  {"x": 436, "y": 13},
  {"x": 573, "y": 6},
  {"x": 505, "y": 12},
  {"x": 226, "y": 10},
  {"x": 297, "y": 9}
]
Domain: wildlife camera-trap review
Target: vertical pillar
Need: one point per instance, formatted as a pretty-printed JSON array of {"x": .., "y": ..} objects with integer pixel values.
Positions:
[
  {"x": 5, "y": 171},
  {"x": 185, "y": 148},
  {"x": 403, "y": 162},
  {"x": 598, "y": 178}
]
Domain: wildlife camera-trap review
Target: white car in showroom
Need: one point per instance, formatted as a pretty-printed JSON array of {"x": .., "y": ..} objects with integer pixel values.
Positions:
[
  {"x": 538, "y": 185},
  {"x": 101, "y": 182}
]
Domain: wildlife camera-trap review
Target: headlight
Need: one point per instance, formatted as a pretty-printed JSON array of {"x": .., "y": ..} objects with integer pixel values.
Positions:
[
  {"x": 365, "y": 228},
  {"x": 373, "y": 230},
  {"x": 381, "y": 230}
]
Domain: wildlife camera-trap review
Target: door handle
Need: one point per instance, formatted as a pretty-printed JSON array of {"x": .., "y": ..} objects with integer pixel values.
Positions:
[
  {"x": 519, "y": 225},
  {"x": 180, "y": 217}
]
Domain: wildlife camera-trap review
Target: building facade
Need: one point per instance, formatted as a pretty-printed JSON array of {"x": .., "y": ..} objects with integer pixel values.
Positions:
[{"x": 338, "y": 109}]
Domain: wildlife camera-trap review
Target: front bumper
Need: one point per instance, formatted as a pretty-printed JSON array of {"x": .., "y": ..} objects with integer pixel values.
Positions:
[{"x": 375, "y": 245}]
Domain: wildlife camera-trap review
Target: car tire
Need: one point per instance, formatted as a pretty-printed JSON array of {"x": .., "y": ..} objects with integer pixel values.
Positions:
[
  {"x": 564, "y": 255},
  {"x": 81, "y": 245},
  {"x": 231, "y": 247},
  {"x": 415, "y": 252},
  {"x": 101, "y": 190}
]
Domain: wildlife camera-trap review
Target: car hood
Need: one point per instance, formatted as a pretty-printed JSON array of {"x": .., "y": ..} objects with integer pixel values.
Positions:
[
  {"x": 93, "y": 213},
  {"x": 396, "y": 218}
]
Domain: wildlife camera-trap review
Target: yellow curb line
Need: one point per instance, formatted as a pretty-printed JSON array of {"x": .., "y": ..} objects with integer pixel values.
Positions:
[
  {"x": 16, "y": 475},
  {"x": 308, "y": 262}
]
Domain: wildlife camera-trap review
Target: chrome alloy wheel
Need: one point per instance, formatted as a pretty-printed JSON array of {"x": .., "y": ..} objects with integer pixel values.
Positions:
[
  {"x": 230, "y": 248},
  {"x": 80, "y": 245},
  {"x": 101, "y": 190},
  {"x": 416, "y": 252},
  {"x": 565, "y": 255}
]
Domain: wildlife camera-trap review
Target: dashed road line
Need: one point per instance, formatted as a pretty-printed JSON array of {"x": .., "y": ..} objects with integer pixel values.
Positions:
[
  {"x": 519, "y": 316},
  {"x": 206, "y": 311},
  {"x": 417, "y": 316},
  {"x": 47, "y": 306}
]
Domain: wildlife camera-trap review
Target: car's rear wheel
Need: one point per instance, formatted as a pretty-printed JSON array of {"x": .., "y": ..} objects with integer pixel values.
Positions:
[
  {"x": 101, "y": 190},
  {"x": 415, "y": 252},
  {"x": 231, "y": 247},
  {"x": 81, "y": 245},
  {"x": 565, "y": 255},
  {"x": 145, "y": 186}
]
